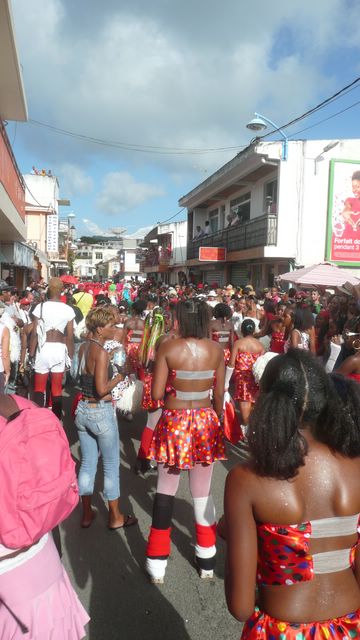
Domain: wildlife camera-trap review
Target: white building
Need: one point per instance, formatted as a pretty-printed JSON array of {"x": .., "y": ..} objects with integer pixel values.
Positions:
[
  {"x": 107, "y": 257},
  {"x": 163, "y": 256},
  {"x": 265, "y": 215}
]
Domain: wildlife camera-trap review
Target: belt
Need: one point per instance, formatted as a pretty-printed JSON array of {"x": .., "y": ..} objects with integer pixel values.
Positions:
[{"x": 93, "y": 403}]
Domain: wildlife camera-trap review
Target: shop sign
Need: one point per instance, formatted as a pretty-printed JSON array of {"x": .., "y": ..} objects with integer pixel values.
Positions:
[
  {"x": 343, "y": 217},
  {"x": 52, "y": 244},
  {"x": 23, "y": 255},
  {"x": 212, "y": 254}
]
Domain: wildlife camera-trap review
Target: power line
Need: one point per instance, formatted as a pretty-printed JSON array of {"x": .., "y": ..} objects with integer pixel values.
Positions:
[
  {"x": 319, "y": 106},
  {"x": 325, "y": 119},
  {"x": 172, "y": 217},
  {"x": 132, "y": 146}
]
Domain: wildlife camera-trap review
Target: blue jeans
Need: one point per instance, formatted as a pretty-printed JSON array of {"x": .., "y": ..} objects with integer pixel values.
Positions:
[{"x": 98, "y": 431}]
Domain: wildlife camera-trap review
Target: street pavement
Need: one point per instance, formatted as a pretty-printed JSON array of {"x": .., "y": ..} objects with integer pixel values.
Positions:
[{"x": 106, "y": 567}]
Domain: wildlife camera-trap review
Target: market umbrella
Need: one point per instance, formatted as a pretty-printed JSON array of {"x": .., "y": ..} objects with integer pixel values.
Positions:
[
  {"x": 67, "y": 279},
  {"x": 324, "y": 274}
]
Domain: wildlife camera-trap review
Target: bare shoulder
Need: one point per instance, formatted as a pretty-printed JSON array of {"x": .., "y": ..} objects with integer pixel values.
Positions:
[{"x": 241, "y": 475}]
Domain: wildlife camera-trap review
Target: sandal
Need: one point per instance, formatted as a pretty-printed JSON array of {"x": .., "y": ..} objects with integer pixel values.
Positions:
[{"x": 128, "y": 522}]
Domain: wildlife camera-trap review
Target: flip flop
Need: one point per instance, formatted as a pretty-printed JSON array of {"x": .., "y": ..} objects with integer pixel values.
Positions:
[{"x": 128, "y": 522}]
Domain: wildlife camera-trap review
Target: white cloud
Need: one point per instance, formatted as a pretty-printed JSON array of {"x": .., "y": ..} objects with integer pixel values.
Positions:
[
  {"x": 150, "y": 75},
  {"x": 95, "y": 229},
  {"x": 74, "y": 180},
  {"x": 120, "y": 192}
]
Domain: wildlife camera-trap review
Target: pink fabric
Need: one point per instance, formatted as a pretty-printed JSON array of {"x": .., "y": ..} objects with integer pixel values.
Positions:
[
  {"x": 199, "y": 480},
  {"x": 40, "y": 595},
  {"x": 38, "y": 486}
]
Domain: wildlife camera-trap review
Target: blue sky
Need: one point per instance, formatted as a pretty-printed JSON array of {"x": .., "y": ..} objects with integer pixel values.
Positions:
[{"x": 171, "y": 76}]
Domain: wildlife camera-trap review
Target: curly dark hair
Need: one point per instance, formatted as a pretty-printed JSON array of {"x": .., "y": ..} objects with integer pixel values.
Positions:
[
  {"x": 344, "y": 436},
  {"x": 222, "y": 310},
  {"x": 295, "y": 391},
  {"x": 138, "y": 307}
]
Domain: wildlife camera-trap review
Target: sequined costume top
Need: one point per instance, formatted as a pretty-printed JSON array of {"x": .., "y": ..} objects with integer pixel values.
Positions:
[
  {"x": 246, "y": 388},
  {"x": 223, "y": 338},
  {"x": 284, "y": 557}
]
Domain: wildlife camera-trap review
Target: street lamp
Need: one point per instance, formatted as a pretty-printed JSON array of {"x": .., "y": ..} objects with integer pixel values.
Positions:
[{"x": 259, "y": 123}]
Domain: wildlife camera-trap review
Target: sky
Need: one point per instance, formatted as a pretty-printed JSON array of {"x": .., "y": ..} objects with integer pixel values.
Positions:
[{"x": 169, "y": 86}]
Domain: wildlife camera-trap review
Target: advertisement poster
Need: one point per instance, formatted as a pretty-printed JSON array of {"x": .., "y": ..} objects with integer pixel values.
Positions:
[{"x": 343, "y": 221}]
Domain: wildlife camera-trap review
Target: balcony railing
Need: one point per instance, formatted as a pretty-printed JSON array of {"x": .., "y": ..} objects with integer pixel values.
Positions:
[
  {"x": 259, "y": 232},
  {"x": 155, "y": 258},
  {"x": 10, "y": 175}
]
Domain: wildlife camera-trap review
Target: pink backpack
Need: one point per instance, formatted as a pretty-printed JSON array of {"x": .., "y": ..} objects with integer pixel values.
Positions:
[{"x": 38, "y": 487}]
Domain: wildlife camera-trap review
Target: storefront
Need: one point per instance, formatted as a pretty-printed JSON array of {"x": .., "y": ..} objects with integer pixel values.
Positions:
[{"x": 18, "y": 264}]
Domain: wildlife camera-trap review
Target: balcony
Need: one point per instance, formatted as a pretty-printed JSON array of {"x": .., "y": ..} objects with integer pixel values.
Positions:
[
  {"x": 258, "y": 232},
  {"x": 157, "y": 257}
]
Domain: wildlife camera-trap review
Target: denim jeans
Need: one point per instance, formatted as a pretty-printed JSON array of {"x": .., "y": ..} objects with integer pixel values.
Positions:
[{"x": 98, "y": 431}]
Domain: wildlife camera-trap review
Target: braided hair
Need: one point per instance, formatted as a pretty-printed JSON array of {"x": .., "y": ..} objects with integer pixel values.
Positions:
[{"x": 295, "y": 392}]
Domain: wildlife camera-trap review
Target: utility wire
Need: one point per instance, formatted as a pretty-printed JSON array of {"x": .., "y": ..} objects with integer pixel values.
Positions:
[
  {"x": 134, "y": 147},
  {"x": 319, "y": 106},
  {"x": 190, "y": 150},
  {"x": 172, "y": 217},
  {"x": 325, "y": 119}
]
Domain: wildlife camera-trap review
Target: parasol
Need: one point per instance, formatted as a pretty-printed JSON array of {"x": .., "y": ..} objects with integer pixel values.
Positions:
[
  {"x": 324, "y": 274},
  {"x": 67, "y": 279}
]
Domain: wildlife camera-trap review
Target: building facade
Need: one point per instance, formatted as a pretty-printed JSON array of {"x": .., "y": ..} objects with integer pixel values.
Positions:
[
  {"x": 163, "y": 253},
  {"x": 16, "y": 257},
  {"x": 107, "y": 258},
  {"x": 259, "y": 216}
]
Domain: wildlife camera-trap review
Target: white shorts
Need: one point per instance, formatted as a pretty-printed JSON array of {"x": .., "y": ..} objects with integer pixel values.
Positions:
[{"x": 52, "y": 357}]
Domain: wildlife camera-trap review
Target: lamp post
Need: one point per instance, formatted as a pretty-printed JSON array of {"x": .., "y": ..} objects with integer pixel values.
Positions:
[{"x": 259, "y": 123}]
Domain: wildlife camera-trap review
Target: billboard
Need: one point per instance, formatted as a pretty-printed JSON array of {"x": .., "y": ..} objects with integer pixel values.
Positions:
[
  {"x": 212, "y": 254},
  {"x": 343, "y": 216}
]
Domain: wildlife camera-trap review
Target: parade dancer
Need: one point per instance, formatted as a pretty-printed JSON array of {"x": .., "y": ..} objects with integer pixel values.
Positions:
[
  {"x": 154, "y": 329},
  {"x": 188, "y": 436},
  {"x": 52, "y": 342},
  {"x": 133, "y": 332}
]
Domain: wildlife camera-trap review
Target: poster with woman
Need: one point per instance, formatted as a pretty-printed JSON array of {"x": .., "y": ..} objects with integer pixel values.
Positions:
[{"x": 343, "y": 221}]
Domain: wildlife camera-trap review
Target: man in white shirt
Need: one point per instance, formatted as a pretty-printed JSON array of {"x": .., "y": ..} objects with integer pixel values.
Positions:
[{"x": 52, "y": 341}]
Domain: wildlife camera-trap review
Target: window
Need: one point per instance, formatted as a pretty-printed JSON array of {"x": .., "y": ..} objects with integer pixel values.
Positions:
[
  {"x": 214, "y": 220},
  {"x": 270, "y": 196},
  {"x": 98, "y": 256},
  {"x": 241, "y": 207}
]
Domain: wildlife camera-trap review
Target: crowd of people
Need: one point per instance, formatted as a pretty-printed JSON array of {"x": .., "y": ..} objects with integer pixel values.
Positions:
[{"x": 278, "y": 370}]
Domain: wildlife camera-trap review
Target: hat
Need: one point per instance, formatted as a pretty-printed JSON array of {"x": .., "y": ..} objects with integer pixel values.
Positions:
[
  {"x": 25, "y": 301},
  {"x": 229, "y": 286},
  {"x": 172, "y": 291},
  {"x": 212, "y": 294}
]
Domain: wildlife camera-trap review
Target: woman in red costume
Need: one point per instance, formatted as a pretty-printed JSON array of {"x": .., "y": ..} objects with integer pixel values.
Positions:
[
  {"x": 133, "y": 331},
  {"x": 244, "y": 353},
  {"x": 351, "y": 211},
  {"x": 291, "y": 512},
  {"x": 222, "y": 329},
  {"x": 188, "y": 436}
]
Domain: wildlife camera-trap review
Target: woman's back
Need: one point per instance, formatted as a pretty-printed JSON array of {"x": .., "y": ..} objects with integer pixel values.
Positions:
[
  {"x": 295, "y": 506},
  {"x": 325, "y": 487}
]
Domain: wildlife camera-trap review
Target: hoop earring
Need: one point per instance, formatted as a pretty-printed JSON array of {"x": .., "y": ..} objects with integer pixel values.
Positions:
[{"x": 356, "y": 346}]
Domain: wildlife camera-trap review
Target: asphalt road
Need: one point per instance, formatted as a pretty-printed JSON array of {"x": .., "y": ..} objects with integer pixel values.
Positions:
[{"x": 106, "y": 568}]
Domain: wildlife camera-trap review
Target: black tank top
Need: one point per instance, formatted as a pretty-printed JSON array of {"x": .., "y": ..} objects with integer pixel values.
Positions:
[{"x": 87, "y": 380}]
